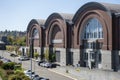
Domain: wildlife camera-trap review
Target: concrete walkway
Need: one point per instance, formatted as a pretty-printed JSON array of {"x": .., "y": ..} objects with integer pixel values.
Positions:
[{"x": 86, "y": 74}]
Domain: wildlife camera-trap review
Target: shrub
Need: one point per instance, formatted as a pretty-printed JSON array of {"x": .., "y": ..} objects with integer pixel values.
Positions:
[
  {"x": 9, "y": 72},
  {"x": 19, "y": 72},
  {"x": 9, "y": 65},
  {"x": 36, "y": 55},
  {"x": 18, "y": 67},
  {"x": 5, "y": 66},
  {"x": 14, "y": 77},
  {"x": 19, "y": 75}
]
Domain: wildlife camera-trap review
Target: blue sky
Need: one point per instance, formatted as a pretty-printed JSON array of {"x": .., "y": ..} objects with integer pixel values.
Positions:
[{"x": 16, "y": 14}]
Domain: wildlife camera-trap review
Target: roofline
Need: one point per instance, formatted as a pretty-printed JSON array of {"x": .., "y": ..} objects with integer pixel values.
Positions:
[
  {"x": 33, "y": 21},
  {"x": 82, "y": 8}
]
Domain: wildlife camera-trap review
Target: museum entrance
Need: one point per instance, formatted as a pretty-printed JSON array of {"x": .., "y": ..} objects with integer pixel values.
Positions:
[
  {"x": 92, "y": 54},
  {"x": 92, "y": 41}
]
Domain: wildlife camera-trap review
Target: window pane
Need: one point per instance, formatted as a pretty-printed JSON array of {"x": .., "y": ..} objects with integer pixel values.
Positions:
[{"x": 93, "y": 29}]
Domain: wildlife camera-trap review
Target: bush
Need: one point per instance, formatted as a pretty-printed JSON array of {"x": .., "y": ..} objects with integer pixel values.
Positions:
[
  {"x": 19, "y": 75},
  {"x": 9, "y": 65},
  {"x": 52, "y": 57},
  {"x": 17, "y": 67},
  {"x": 14, "y": 77},
  {"x": 19, "y": 72},
  {"x": 9, "y": 72},
  {"x": 5, "y": 66},
  {"x": 36, "y": 55}
]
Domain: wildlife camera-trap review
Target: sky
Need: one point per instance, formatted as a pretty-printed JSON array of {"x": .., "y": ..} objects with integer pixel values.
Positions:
[{"x": 16, "y": 14}]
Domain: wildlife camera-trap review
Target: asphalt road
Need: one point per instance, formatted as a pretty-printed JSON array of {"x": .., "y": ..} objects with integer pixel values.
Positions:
[{"x": 43, "y": 72}]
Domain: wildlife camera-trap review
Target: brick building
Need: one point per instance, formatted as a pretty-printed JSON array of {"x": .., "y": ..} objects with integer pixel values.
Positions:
[{"x": 89, "y": 37}]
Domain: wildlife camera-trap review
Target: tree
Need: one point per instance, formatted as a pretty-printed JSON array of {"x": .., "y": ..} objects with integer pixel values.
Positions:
[
  {"x": 36, "y": 55},
  {"x": 10, "y": 39}
]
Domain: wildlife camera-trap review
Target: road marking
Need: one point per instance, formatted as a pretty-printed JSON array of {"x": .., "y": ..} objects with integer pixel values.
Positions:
[{"x": 62, "y": 74}]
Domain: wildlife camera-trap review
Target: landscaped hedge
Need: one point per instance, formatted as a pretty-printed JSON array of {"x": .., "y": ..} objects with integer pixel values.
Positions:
[
  {"x": 7, "y": 72},
  {"x": 18, "y": 75},
  {"x": 8, "y": 66}
]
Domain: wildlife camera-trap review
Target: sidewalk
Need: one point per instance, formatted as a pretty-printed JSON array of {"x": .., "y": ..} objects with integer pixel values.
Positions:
[{"x": 81, "y": 73}]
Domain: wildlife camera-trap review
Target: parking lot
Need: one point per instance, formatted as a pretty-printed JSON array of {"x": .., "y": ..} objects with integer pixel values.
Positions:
[{"x": 41, "y": 71}]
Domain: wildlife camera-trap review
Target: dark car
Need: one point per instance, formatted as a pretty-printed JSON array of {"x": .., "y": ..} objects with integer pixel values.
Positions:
[
  {"x": 40, "y": 62},
  {"x": 40, "y": 78},
  {"x": 13, "y": 55},
  {"x": 53, "y": 65}
]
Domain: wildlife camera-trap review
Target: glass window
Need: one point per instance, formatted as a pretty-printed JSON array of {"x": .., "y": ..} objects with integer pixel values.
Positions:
[
  {"x": 93, "y": 29},
  {"x": 35, "y": 34}
]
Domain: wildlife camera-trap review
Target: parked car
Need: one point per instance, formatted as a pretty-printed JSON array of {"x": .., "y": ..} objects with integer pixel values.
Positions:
[
  {"x": 35, "y": 76},
  {"x": 40, "y": 62},
  {"x": 47, "y": 65},
  {"x": 30, "y": 74},
  {"x": 13, "y": 55},
  {"x": 54, "y": 65},
  {"x": 43, "y": 64},
  {"x": 27, "y": 71},
  {"x": 23, "y": 58},
  {"x": 40, "y": 78}
]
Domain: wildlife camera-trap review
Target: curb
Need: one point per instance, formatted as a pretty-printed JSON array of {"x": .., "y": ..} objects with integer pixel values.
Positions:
[{"x": 62, "y": 74}]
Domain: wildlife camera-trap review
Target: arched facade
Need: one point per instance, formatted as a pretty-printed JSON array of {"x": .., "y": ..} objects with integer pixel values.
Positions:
[
  {"x": 90, "y": 38},
  {"x": 93, "y": 46},
  {"x": 34, "y": 36},
  {"x": 57, "y": 27}
]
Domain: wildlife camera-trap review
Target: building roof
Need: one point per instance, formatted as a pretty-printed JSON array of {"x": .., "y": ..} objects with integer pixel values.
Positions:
[
  {"x": 66, "y": 16},
  {"x": 109, "y": 8},
  {"x": 40, "y": 22},
  {"x": 113, "y": 8},
  {"x": 63, "y": 16}
]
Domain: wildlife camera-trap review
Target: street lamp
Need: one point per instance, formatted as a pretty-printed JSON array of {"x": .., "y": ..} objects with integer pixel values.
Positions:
[{"x": 31, "y": 53}]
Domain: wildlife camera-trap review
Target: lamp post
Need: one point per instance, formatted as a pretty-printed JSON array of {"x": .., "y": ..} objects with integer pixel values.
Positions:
[{"x": 31, "y": 54}]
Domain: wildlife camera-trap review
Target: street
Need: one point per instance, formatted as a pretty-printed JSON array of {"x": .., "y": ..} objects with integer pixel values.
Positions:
[{"x": 41, "y": 71}]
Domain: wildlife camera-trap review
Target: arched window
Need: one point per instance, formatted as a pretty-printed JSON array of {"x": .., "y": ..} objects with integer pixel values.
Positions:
[
  {"x": 35, "y": 34},
  {"x": 93, "y": 29}
]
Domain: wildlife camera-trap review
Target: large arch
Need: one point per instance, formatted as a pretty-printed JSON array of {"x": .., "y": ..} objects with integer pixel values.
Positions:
[
  {"x": 57, "y": 29},
  {"x": 103, "y": 12},
  {"x": 35, "y": 36},
  {"x": 61, "y": 20},
  {"x": 38, "y": 25},
  {"x": 91, "y": 10}
]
